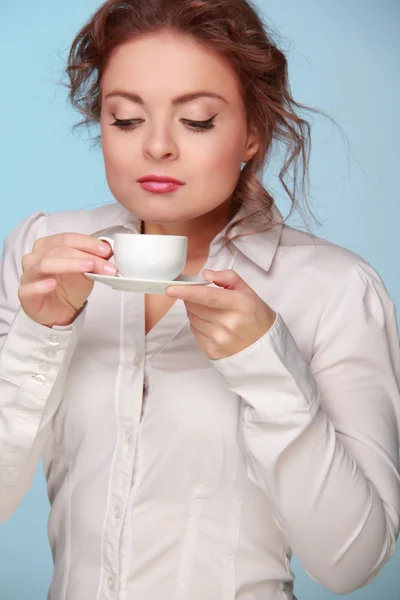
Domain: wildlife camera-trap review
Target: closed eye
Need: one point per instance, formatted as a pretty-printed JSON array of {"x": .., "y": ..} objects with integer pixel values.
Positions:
[
  {"x": 194, "y": 126},
  {"x": 202, "y": 125}
]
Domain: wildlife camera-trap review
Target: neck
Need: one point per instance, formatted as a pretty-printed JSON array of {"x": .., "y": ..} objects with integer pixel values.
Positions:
[{"x": 200, "y": 231}]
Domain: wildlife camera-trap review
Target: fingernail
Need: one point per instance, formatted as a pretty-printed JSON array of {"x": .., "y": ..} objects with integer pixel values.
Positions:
[
  {"x": 104, "y": 249},
  {"x": 109, "y": 269}
]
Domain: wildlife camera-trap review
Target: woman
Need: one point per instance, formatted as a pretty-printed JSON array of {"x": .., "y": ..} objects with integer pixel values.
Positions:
[{"x": 193, "y": 441}]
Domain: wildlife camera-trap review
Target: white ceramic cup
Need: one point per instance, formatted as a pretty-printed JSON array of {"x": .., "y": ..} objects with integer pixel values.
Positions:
[{"x": 149, "y": 257}]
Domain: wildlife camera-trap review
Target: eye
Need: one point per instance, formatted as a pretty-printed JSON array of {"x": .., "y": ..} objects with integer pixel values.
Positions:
[
  {"x": 194, "y": 126},
  {"x": 200, "y": 126},
  {"x": 125, "y": 124}
]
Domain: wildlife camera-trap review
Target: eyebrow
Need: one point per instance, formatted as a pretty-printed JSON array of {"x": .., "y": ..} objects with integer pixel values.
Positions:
[{"x": 175, "y": 102}]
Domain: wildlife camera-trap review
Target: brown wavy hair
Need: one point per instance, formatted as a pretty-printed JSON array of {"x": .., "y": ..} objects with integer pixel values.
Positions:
[{"x": 235, "y": 30}]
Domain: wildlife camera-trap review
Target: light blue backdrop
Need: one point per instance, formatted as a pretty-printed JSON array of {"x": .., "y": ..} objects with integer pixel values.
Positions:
[{"x": 343, "y": 58}]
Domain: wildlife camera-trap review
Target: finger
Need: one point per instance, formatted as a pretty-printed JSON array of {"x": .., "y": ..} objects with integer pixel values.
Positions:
[
  {"x": 211, "y": 297},
  {"x": 101, "y": 265},
  {"x": 28, "y": 260},
  {"x": 37, "y": 266},
  {"x": 200, "y": 328},
  {"x": 50, "y": 266},
  {"x": 211, "y": 315},
  {"x": 36, "y": 289},
  {"x": 212, "y": 321},
  {"x": 227, "y": 279},
  {"x": 79, "y": 241}
]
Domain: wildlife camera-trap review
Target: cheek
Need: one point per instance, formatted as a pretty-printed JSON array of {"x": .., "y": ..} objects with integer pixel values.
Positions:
[
  {"x": 116, "y": 153},
  {"x": 223, "y": 162},
  {"x": 228, "y": 157},
  {"x": 118, "y": 163},
  {"x": 229, "y": 146},
  {"x": 117, "y": 148}
]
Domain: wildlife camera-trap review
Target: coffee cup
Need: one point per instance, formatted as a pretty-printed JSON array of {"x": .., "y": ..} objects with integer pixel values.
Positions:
[{"x": 147, "y": 256}]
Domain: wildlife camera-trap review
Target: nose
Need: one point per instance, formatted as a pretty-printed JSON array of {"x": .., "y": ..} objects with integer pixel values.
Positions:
[{"x": 160, "y": 144}]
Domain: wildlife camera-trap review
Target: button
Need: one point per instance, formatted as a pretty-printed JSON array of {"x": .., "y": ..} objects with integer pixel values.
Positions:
[
  {"x": 117, "y": 512},
  {"x": 44, "y": 366},
  {"x": 137, "y": 360},
  {"x": 128, "y": 436},
  {"x": 53, "y": 340},
  {"x": 39, "y": 379},
  {"x": 144, "y": 389},
  {"x": 49, "y": 352},
  {"x": 110, "y": 582}
]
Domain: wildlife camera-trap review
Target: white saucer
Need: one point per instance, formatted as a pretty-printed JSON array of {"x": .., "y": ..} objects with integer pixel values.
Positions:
[{"x": 144, "y": 286}]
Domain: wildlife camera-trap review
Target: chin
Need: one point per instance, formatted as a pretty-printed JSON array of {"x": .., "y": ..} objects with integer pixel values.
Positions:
[{"x": 164, "y": 216}]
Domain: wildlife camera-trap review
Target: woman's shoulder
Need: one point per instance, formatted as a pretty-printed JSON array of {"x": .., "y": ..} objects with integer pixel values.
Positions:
[
  {"x": 95, "y": 221},
  {"x": 317, "y": 255},
  {"x": 87, "y": 221},
  {"x": 326, "y": 267}
]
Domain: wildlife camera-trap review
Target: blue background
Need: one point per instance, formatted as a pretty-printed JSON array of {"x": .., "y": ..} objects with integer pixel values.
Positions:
[{"x": 343, "y": 58}]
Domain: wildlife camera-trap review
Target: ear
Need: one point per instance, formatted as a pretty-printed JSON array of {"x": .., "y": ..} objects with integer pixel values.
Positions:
[{"x": 252, "y": 145}]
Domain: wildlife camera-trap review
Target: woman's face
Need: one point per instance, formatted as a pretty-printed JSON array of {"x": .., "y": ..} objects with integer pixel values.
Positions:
[{"x": 157, "y": 70}]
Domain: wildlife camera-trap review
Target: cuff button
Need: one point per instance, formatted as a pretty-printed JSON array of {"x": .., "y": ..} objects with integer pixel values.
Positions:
[{"x": 39, "y": 379}]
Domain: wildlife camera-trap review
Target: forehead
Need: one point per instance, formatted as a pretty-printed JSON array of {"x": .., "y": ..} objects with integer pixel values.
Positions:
[{"x": 170, "y": 62}]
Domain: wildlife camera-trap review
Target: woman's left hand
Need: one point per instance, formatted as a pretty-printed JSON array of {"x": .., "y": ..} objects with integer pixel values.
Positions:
[{"x": 227, "y": 319}]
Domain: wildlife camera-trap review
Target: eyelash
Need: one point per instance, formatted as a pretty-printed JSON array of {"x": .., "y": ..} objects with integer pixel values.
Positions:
[{"x": 194, "y": 126}]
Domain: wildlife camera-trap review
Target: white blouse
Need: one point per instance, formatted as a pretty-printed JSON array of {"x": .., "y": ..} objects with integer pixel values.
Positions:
[{"x": 178, "y": 477}]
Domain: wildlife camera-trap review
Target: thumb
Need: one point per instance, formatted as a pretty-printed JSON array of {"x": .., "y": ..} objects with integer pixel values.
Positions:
[{"x": 227, "y": 279}]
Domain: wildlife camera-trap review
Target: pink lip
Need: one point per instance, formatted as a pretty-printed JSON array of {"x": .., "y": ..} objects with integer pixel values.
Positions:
[
  {"x": 160, "y": 179},
  {"x": 159, "y": 187}
]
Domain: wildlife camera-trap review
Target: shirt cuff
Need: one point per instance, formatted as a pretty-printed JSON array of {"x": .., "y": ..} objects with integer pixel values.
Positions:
[
  {"x": 33, "y": 364},
  {"x": 33, "y": 353},
  {"x": 271, "y": 375}
]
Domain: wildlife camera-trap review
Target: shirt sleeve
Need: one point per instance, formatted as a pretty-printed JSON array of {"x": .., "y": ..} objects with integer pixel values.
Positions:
[
  {"x": 322, "y": 438},
  {"x": 34, "y": 360}
]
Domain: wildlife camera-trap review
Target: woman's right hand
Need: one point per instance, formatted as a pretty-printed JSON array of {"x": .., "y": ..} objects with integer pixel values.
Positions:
[{"x": 53, "y": 285}]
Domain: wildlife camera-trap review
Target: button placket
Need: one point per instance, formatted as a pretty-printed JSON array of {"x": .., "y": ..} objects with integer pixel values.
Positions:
[
  {"x": 122, "y": 478},
  {"x": 123, "y": 467}
]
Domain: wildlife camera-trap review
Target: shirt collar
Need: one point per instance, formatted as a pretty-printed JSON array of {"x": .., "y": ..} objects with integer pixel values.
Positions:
[{"x": 259, "y": 247}]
